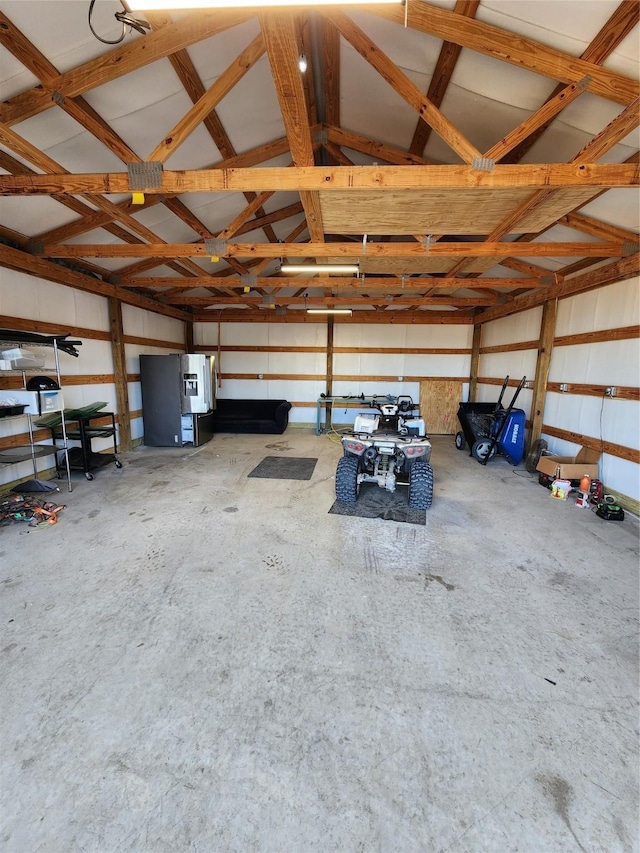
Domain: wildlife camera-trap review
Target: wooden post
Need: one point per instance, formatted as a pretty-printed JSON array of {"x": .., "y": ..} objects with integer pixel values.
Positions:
[
  {"x": 188, "y": 337},
  {"x": 545, "y": 350},
  {"x": 329, "y": 388},
  {"x": 120, "y": 372},
  {"x": 475, "y": 361}
]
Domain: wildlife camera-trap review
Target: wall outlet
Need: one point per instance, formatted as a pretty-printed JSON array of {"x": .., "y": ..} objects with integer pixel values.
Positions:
[
  {"x": 528, "y": 384},
  {"x": 610, "y": 391},
  {"x": 564, "y": 386}
]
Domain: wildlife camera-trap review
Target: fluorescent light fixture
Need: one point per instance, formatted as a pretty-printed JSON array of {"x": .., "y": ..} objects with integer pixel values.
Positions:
[
  {"x": 313, "y": 269},
  {"x": 178, "y": 5},
  {"x": 330, "y": 311}
]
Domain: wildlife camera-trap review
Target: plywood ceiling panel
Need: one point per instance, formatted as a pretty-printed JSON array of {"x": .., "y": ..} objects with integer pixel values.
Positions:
[{"x": 401, "y": 212}]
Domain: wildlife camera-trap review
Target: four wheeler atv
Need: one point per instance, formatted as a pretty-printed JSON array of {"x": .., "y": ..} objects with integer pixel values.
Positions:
[{"x": 386, "y": 447}]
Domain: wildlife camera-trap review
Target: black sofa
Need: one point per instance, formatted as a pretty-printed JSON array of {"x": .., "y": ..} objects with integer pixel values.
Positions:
[{"x": 262, "y": 416}]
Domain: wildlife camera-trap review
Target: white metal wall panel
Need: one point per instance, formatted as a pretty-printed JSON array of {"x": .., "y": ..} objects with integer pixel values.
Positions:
[
  {"x": 31, "y": 298},
  {"x": 513, "y": 329},
  {"x": 605, "y": 363},
  {"x": 145, "y": 324},
  {"x": 616, "y": 305},
  {"x": 497, "y": 365}
]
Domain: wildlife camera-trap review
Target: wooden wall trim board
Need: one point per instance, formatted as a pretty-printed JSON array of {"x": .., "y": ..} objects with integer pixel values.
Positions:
[
  {"x": 623, "y": 392},
  {"x": 621, "y": 333},
  {"x": 19, "y": 324},
  {"x": 515, "y": 347},
  {"x": 14, "y": 381},
  {"x": 490, "y": 380},
  {"x": 362, "y": 349},
  {"x": 177, "y": 346},
  {"x": 357, "y": 377},
  {"x": 631, "y": 454},
  {"x": 22, "y": 438}
]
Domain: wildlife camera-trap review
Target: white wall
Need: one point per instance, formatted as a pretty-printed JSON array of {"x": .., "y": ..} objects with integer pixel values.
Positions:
[
  {"x": 615, "y": 363},
  {"x": 25, "y": 297},
  {"x": 366, "y": 337}
]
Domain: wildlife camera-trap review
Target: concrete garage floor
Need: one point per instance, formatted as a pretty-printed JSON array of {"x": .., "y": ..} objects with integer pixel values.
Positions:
[{"x": 198, "y": 661}]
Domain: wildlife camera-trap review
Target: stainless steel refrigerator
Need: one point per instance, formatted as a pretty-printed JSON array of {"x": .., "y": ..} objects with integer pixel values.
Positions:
[{"x": 178, "y": 399}]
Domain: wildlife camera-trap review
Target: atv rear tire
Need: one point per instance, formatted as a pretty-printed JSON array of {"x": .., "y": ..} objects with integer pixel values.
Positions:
[
  {"x": 460, "y": 441},
  {"x": 347, "y": 485},
  {"x": 420, "y": 485}
]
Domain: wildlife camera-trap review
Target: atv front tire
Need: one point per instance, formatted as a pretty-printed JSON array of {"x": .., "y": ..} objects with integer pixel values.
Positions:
[
  {"x": 420, "y": 485},
  {"x": 347, "y": 485}
]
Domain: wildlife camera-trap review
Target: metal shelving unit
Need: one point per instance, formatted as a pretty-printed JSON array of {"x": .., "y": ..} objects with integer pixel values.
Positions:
[{"x": 33, "y": 450}]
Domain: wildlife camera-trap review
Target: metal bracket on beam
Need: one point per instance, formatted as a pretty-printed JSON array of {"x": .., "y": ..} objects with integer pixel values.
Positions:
[
  {"x": 547, "y": 279},
  {"x": 630, "y": 247},
  {"x": 57, "y": 98},
  {"x": 145, "y": 176},
  {"x": 249, "y": 280},
  {"x": 427, "y": 241},
  {"x": 584, "y": 83},
  {"x": 115, "y": 279},
  {"x": 215, "y": 247},
  {"x": 321, "y": 137},
  {"x": 483, "y": 164},
  {"x": 35, "y": 247}
]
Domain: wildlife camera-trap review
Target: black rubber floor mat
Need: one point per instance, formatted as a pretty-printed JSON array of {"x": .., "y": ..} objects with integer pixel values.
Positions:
[
  {"x": 374, "y": 502},
  {"x": 285, "y": 468}
]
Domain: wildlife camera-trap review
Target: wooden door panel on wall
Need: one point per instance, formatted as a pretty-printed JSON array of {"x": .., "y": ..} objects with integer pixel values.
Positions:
[{"x": 439, "y": 399}]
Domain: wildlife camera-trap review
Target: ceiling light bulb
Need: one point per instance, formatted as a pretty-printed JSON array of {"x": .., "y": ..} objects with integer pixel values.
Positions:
[{"x": 302, "y": 63}]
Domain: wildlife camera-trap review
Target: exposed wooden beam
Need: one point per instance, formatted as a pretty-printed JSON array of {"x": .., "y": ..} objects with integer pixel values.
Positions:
[
  {"x": 221, "y": 87},
  {"x": 554, "y": 175},
  {"x": 623, "y": 21},
  {"x": 512, "y": 48},
  {"x": 595, "y": 227},
  {"x": 327, "y": 250},
  {"x": 402, "y": 85},
  {"x": 312, "y": 301},
  {"x": 22, "y": 262},
  {"x": 391, "y": 284},
  {"x": 330, "y": 40},
  {"x": 542, "y": 117},
  {"x": 122, "y": 60},
  {"x": 543, "y": 363},
  {"x": 377, "y": 150},
  {"x": 617, "y": 271},
  {"x": 621, "y": 126},
  {"x": 281, "y": 41},
  {"x": 387, "y": 318},
  {"x": 475, "y": 362},
  {"x": 441, "y": 77},
  {"x": 120, "y": 372}
]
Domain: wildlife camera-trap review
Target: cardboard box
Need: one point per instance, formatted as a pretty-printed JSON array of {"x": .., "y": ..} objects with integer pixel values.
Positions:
[{"x": 571, "y": 467}]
